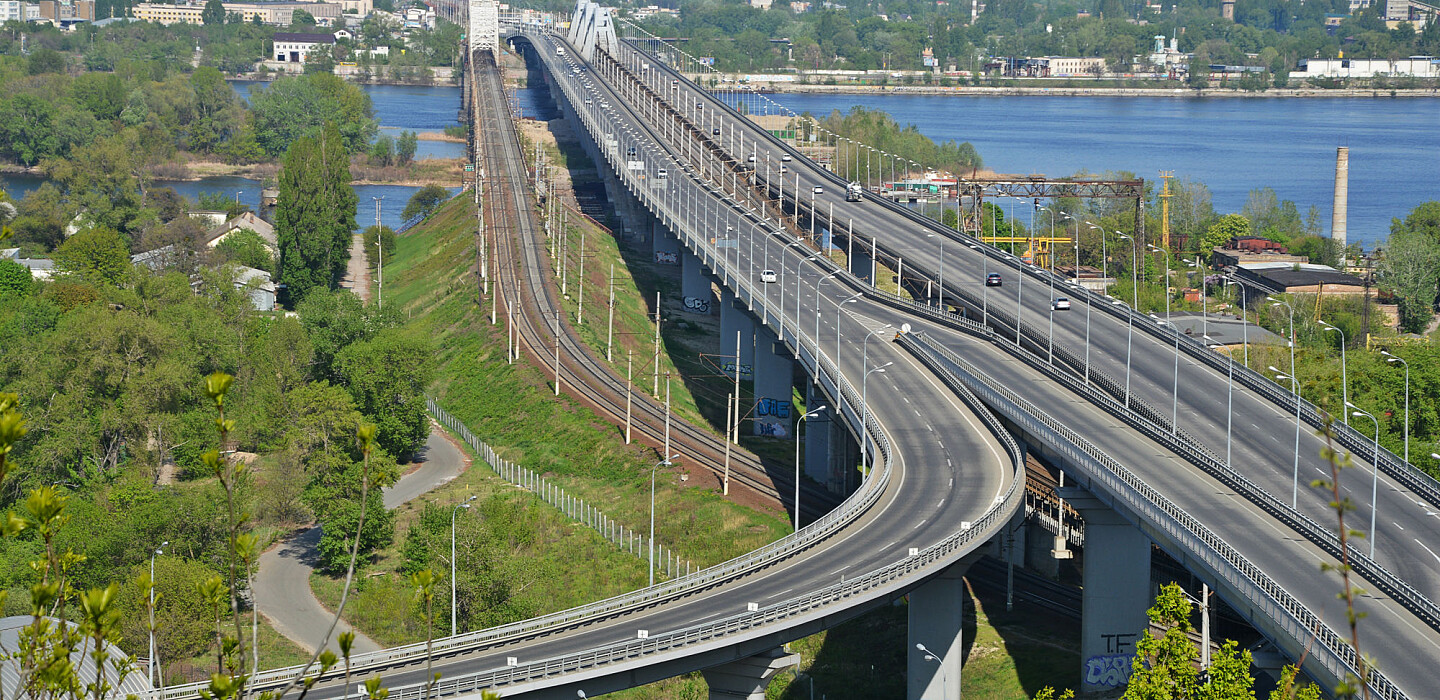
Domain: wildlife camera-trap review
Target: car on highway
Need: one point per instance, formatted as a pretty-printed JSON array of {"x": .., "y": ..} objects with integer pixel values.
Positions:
[
  {"x": 751, "y": 158},
  {"x": 768, "y": 276},
  {"x": 699, "y": 106},
  {"x": 992, "y": 280},
  {"x": 715, "y": 131},
  {"x": 819, "y": 190},
  {"x": 784, "y": 170},
  {"x": 1060, "y": 304},
  {"x": 785, "y": 158}
]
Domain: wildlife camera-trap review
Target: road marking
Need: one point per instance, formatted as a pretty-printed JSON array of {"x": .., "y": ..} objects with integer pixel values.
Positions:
[
  {"x": 1397, "y": 525},
  {"x": 1431, "y": 551},
  {"x": 929, "y": 427},
  {"x": 787, "y": 590},
  {"x": 948, "y": 463},
  {"x": 922, "y": 522},
  {"x": 942, "y": 446},
  {"x": 832, "y": 573},
  {"x": 941, "y": 504},
  {"x": 952, "y": 479},
  {"x": 887, "y": 546},
  {"x": 917, "y": 413},
  {"x": 907, "y": 399}
]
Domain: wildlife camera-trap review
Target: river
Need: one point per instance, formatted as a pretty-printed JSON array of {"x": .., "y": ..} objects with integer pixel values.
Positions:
[
  {"x": 1233, "y": 145},
  {"x": 397, "y": 107}
]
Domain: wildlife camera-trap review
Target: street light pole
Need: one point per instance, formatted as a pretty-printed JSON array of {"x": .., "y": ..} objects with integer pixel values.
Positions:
[
  {"x": 1229, "y": 398},
  {"x": 1344, "y": 378},
  {"x": 1134, "y": 309},
  {"x": 985, "y": 288},
  {"x": 944, "y": 681},
  {"x": 651, "y": 541},
  {"x": 865, "y": 411},
  {"x": 154, "y": 669},
  {"x": 1392, "y": 358},
  {"x": 798, "y": 425},
  {"x": 1175, "y": 385},
  {"x": 453, "y": 512},
  {"x": 1374, "y": 474}
]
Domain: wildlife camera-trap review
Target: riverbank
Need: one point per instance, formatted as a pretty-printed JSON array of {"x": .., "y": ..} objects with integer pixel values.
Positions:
[
  {"x": 430, "y": 171},
  {"x": 1086, "y": 91}
]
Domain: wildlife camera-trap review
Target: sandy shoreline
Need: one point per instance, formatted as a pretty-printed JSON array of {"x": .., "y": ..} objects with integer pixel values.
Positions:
[{"x": 1082, "y": 91}]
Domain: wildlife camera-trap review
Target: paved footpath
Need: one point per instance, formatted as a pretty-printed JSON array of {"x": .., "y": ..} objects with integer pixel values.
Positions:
[
  {"x": 282, "y": 585},
  {"x": 357, "y": 270}
]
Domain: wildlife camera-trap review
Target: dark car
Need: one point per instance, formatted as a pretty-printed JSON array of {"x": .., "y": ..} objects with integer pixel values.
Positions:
[
  {"x": 715, "y": 131},
  {"x": 992, "y": 279}
]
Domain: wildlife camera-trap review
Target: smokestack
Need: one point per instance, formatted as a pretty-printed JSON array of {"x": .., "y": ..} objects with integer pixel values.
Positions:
[
  {"x": 1227, "y": 9},
  {"x": 1342, "y": 196}
]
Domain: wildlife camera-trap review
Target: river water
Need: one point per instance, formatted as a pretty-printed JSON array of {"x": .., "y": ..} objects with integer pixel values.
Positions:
[
  {"x": 397, "y": 107},
  {"x": 1233, "y": 145}
]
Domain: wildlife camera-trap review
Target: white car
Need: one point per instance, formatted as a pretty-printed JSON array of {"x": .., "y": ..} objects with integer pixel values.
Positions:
[
  {"x": 819, "y": 190},
  {"x": 768, "y": 276},
  {"x": 785, "y": 158},
  {"x": 1060, "y": 304},
  {"x": 784, "y": 170},
  {"x": 751, "y": 158}
]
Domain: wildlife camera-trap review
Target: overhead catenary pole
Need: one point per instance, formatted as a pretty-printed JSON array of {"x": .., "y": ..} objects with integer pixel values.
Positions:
[
  {"x": 610, "y": 323},
  {"x": 655, "y": 361}
]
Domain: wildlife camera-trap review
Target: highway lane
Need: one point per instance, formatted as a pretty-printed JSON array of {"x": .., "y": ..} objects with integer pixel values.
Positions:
[
  {"x": 1227, "y": 513},
  {"x": 1262, "y": 433},
  {"x": 924, "y": 504}
]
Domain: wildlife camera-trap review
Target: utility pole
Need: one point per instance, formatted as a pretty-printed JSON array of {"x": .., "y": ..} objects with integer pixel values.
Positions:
[
  {"x": 629, "y": 390},
  {"x": 655, "y": 361},
  {"x": 379, "y": 258},
  {"x": 580, "y": 290},
  {"x": 610, "y": 323},
  {"x": 557, "y": 353}
]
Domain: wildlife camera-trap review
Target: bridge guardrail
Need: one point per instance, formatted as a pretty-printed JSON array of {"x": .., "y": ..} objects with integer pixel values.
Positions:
[{"x": 1226, "y": 563}]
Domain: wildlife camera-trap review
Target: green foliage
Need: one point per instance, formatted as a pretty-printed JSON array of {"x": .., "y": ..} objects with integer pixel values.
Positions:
[
  {"x": 378, "y": 244},
  {"x": 387, "y": 375},
  {"x": 334, "y": 320},
  {"x": 44, "y": 61},
  {"x": 315, "y": 214},
  {"x": 220, "y": 201},
  {"x": 425, "y": 201},
  {"x": 1164, "y": 667},
  {"x": 293, "y": 107},
  {"x": 339, "y": 517},
  {"x": 1410, "y": 270},
  {"x": 15, "y": 279},
  {"x": 213, "y": 14},
  {"x": 382, "y": 152},
  {"x": 245, "y": 247},
  {"x": 879, "y": 130},
  {"x": 1227, "y": 227},
  {"x": 405, "y": 147},
  {"x": 99, "y": 255},
  {"x": 183, "y": 627}
]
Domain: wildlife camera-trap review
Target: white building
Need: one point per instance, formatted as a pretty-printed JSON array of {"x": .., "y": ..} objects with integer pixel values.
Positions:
[
  {"x": 1414, "y": 66},
  {"x": 294, "y": 48},
  {"x": 12, "y": 11}
]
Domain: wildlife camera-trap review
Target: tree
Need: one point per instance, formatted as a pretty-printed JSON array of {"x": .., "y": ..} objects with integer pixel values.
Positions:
[
  {"x": 405, "y": 147},
  {"x": 27, "y": 129},
  {"x": 98, "y": 254},
  {"x": 15, "y": 279},
  {"x": 382, "y": 152},
  {"x": 1164, "y": 667},
  {"x": 1228, "y": 227},
  {"x": 1423, "y": 219},
  {"x": 297, "y": 106},
  {"x": 425, "y": 201},
  {"x": 44, "y": 61},
  {"x": 1411, "y": 271},
  {"x": 387, "y": 377},
  {"x": 378, "y": 244},
  {"x": 315, "y": 214},
  {"x": 245, "y": 247},
  {"x": 213, "y": 14}
]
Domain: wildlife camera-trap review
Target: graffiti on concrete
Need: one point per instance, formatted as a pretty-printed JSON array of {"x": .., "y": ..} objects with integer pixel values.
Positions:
[
  {"x": 1107, "y": 670},
  {"x": 667, "y": 257},
  {"x": 766, "y": 429},
  {"x": 697, "y": 305},
  {"x": 772, "y": 407},
  {"x": 729, "y": 369}
]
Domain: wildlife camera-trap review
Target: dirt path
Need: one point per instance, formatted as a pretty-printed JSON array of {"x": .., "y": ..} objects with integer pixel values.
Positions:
[
  {"x": 357, "y": 271},
  {"x": 282, "y": 584}
]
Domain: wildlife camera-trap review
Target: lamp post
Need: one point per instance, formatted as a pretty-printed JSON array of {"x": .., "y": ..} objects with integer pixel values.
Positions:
[
  {"x": 798, "y": 425},
  {"x": 1344, "y": 378},
  {"x": 155, "y": 672},
  {"x": 1244, "y": 320},
  {"x": 1392, "y": 358},
  {"x": 1374, "y": 473},
  {"x": 865, "y": 412},
  {"x": 1229, "y": 397},
  {"x": 817, "y": 322},
  {"x": 453, "y": 511},
  {"x": 931, "y": 656},
  {"x": 941, "y": 284},
  {"x": 1088, "y": 303},
  {"x": 984, "y": 288},
  {"x": 850, "y": 300},
  {"x": 1294, "y": 390},
  {"x": 1134, "y": 309},
  {"x": 651, "y": 541}
]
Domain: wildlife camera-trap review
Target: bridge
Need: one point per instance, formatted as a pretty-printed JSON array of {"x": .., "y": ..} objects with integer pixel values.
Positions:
[{"x": 1162, "y": 440}]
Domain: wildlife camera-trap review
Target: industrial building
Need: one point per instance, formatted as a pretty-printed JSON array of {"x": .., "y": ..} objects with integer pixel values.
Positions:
[{"x": 1414, "y": 66}]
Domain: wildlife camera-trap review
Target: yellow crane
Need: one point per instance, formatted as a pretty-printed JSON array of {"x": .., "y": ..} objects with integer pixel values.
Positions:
[{"x": 1037, "y": 248}]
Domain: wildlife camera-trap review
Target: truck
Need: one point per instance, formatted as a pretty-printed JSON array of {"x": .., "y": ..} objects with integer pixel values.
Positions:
[{"x": 853, "y": 192}]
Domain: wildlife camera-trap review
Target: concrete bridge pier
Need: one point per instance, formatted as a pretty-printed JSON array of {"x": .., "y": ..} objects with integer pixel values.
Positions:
[
  {"x": 665, "y": 247},
  {"x": 774, "y": 382},
  {"x": 735, "y": 321},
  {"x": 1116, "y": 578},
  {"x": 747, "y": 678},
  {"x": 936, "y": 616},
  {"x": 861, "y": 264},
  {"x": 694, "y": 284},
  {"x": 818, "y": 464}
]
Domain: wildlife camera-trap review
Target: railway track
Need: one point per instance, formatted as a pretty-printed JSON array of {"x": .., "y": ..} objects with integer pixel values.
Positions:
[{"x": 524, "y": 289}]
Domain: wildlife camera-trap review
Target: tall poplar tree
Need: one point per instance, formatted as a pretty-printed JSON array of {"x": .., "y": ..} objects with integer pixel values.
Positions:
[{"x": 315, "y": 214}]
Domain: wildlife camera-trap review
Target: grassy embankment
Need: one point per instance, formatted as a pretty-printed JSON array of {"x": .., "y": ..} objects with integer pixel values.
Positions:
[{"x": 511, "y": 406}]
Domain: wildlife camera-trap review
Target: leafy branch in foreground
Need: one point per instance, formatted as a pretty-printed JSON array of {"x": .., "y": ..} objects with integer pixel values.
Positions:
[{"x": 1350, "y": 686}]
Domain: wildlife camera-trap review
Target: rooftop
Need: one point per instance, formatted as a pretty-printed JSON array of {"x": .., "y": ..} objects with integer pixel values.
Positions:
[{"x": 305, "y": 38}]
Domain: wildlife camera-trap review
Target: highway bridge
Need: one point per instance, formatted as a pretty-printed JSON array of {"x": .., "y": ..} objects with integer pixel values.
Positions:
[{"x": 944, "y": 408}]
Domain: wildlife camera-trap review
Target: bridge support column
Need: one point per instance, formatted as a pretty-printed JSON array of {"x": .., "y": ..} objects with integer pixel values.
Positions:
[
  {"x": 817, "y": 436},
  {"x": 774, "y": 384},
  {"x": 694, "y": 284},
  {"x": 748, "y": 677},
  {"x": 734, "y": 320},
  {"x": 665, "y": 246},
  {"x": 937, "y": 611},
  {"x": 1116, "y": 579},
  {"x": 861, "y": 264}
]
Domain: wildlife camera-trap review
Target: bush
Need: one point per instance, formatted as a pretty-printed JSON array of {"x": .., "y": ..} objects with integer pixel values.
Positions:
[
  {"x": 425, "y": 201},
  {"x": 386, "y": 240}
]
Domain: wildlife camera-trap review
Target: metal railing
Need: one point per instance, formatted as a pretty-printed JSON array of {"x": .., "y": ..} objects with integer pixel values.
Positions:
[{"x": 1207, "y": 548}]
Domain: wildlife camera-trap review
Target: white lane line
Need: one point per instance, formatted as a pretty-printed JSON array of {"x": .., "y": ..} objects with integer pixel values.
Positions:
[
  {"x": 941, "y": 504},
  {"x": 942, "y": 446},
  {"x": 922, "y": 522},
  {"x": 931, "y": 428},
  {"x": 887, "y": 546},
  {"x": 832, "y": 573},
  {"x": 917, "y": 413},
  {"x": 907, "y": 399},
  {"x": 787, "y": 590},
  {"x": 1397, "y": 525},
  {"x": 1431, "y": 551},
  {"x": 948, "y": 463},
  {"x": 952, "y": 480}
]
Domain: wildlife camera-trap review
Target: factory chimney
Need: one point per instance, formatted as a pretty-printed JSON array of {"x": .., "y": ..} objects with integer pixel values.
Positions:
[
  {"x": 1227, "y": 9},
  {"x": 1342, "y": 196}
]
